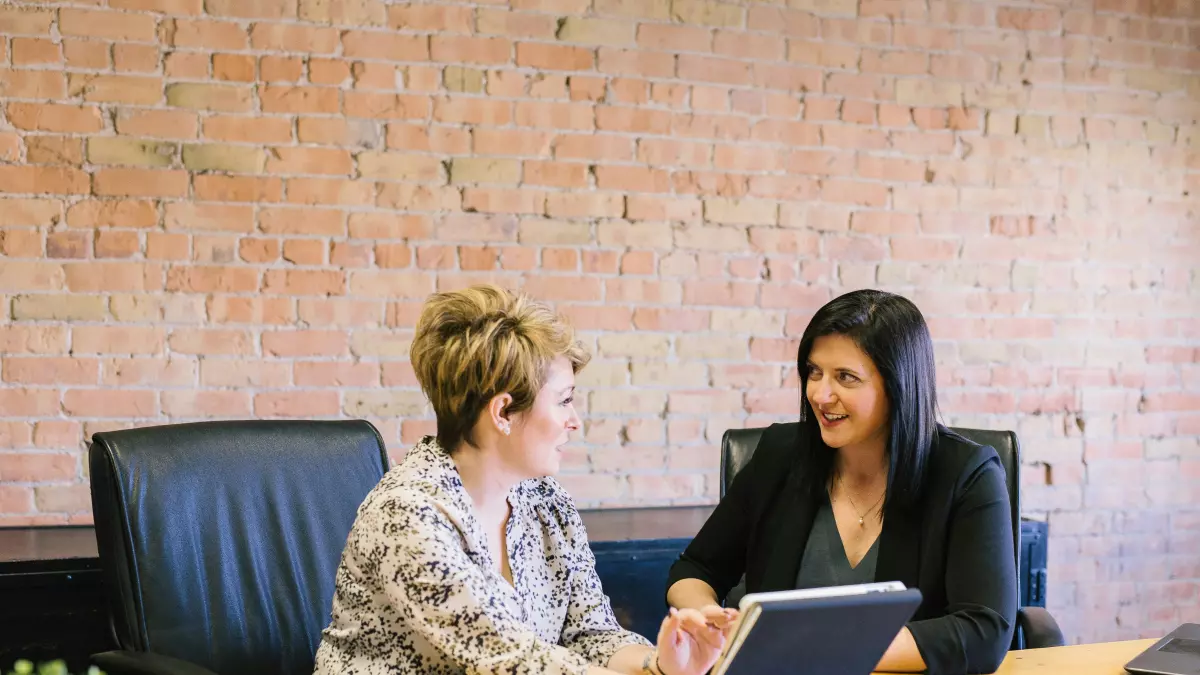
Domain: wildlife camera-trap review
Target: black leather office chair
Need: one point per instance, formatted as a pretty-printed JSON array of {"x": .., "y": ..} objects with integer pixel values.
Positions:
[
  {"x": 1035, "y": 626},
  {"x": 219, "y": 541}
]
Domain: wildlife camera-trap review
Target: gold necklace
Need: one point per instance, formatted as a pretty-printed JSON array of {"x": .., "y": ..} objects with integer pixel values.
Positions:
[{"x": 861, "y": 516}]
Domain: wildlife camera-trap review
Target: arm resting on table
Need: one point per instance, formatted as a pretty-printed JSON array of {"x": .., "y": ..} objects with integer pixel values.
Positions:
[
  {"x": 1039, "y": 627},
  {"x": 145, "y": 663}
]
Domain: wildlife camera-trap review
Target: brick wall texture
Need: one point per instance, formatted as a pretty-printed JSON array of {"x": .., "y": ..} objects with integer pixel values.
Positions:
[{"x": 234, "y": 208}]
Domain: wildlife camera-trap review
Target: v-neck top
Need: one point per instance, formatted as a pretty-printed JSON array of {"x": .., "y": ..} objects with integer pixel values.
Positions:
[
  {"x": 824, "y": 562},
  {"x": 418, "y": 590}
]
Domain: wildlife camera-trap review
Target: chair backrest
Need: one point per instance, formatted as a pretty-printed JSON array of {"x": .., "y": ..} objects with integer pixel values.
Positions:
[
  {"x": 219, "y": 541},
  {"x": 737, "y": 446}
]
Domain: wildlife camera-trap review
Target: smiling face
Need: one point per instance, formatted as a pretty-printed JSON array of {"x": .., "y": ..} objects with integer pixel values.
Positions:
[
  {"x": 534, "y": 448},
  {"x": 846, "y": 392}
]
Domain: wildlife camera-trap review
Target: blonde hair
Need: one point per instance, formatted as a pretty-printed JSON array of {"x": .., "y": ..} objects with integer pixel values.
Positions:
[{"x": 474, "y": 344}]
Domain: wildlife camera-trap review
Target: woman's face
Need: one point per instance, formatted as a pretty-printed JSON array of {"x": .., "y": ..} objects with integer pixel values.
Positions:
[
  {"x": 539, "y": 433},
  {"x": 846, "y": 393}
]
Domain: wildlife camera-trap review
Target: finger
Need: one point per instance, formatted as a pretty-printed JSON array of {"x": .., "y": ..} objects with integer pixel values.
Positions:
[{"x": 691, "y": 620}]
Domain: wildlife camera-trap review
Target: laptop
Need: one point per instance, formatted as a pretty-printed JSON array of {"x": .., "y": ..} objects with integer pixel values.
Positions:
[
  {"x": 1176, "y": 654},
  {"x": 840, "y": 630}
]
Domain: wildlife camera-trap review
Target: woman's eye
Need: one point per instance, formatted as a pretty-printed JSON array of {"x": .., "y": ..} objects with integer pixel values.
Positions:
[
  {"x": 569, "y": 401},
  {"x": 847, "y": 377}
]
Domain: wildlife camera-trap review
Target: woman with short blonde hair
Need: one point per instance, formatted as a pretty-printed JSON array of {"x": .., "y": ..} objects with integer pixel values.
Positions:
[{"x": 468, "y": 557}]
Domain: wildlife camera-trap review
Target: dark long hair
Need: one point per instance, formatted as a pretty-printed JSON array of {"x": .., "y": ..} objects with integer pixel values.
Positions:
[{"x": 891, "y": 331}]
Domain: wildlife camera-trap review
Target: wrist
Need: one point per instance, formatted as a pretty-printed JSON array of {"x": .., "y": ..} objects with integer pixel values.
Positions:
[{"x": 650, "y": 664}]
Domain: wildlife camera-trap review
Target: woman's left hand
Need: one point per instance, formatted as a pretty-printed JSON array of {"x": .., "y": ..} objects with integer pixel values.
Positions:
[{"x": 687, "y": 644}]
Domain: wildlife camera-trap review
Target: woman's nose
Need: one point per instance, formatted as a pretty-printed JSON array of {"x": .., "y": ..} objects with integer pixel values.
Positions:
[{"x": 819, "y": 391}]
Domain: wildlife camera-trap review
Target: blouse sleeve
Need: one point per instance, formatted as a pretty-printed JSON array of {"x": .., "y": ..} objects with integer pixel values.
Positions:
[
  {"x": 431, "y": 581},
  {"x": 591, "y": 628}
]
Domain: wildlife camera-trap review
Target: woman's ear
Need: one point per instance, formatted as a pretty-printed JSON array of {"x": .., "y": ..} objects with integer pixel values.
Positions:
[{"x": 498, "y": 412}]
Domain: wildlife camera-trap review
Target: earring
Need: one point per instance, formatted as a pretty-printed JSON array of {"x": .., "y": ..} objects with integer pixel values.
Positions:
[{"x": 507, "y": 430}]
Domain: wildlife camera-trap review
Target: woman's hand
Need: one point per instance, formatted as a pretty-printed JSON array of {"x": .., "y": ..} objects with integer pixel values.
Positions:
[
  {"x": 724, "y": 618},
  {"x": 688, "y": 644}
]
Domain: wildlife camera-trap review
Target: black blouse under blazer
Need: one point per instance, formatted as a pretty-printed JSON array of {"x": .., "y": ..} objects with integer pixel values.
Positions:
[{"x": 956, "y": 547}]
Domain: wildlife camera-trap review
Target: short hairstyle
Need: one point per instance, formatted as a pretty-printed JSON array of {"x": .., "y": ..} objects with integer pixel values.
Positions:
[
  {"x": 892, "y": 332},
  {"x": 474, "y": 344}
]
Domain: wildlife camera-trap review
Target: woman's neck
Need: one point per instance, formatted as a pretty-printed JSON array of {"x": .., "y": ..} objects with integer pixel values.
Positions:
[
  {"x": 486, "y": 481},
  {"x": 862, "y": 465}
]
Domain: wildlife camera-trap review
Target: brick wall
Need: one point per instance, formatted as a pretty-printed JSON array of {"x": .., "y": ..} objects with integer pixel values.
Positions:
[{"x": 233, "y": 208}]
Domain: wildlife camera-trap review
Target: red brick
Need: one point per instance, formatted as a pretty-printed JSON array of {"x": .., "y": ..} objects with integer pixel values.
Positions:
[
  {"x": 554, "y": 57},
  {"x": 578, "y": 116},
  {"x": 186, "y": 65},
  {"x": 116, "y": 26},
  {"x": 600, "y": 147},
  {"x": 280, "y": 69},
  {"x": 391, "y": 284},
  {"x": 632, "y": 179},
  {"x": 35, "y": 51},
  {"x": 431, "y": 18},
  {"x": 233, "y": 67},
  {"x": 208, "y": 279},
  {"x": 261, "y": 310},
  {"x": 244, "y": 129},
  {"x": 101, "y": 403},
  {"x": 556, "y": 174},
  {"x": 509, "y": 142},
  {"x": 57, "y": 434},
  {"x": 285, "y": 99},
  {"x": 422, "y": 138},
  {"x": 501, "y": 200},
  {"x": 60, "y": 245},
  {"x": 385, "y": 46},
  {"x": 337, "y": 374},
  {"x": 305, "y": 282},
  {"x": 210, "y": 341},
  {"x": 304, "y": 343},
  {"x": 309, "y": 161},
  {"x": 141, "y": 183},
  {"x": 25, "y": 21},
  {"x": 28, "y": 244},
  {"x": 122, "y": 244},
  {"x": 385, "y": 106},
  {"x": 340, "y": 312},
  {"x": 43, "y": 180},
  {"x": 136, "y": 58},
  {"x": 37, "y": 467},
  {"x": 85, "y": 54},
  {"x": 177, "y": 7},
  {"x": 296, "y": 404},
  {"x": 462, "y": 49},
  {"x": 393, "y": 255},
  {"x": 237, "y": 188},
  {"x": 205, "y": 404},
  {"x": 157, "y": 123},
  {"x": 51, "y": 370}
]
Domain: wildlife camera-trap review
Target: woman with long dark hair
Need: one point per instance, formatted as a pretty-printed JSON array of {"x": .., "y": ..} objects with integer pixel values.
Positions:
[{"x": 868, "y": 486}]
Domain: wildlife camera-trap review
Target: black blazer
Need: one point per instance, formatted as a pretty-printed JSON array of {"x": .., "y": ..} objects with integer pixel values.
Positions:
[{"x": 956, "y": 547}]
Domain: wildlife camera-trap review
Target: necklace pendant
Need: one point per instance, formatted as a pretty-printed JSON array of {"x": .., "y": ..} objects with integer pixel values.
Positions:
[{"x": 860, "y": 521}]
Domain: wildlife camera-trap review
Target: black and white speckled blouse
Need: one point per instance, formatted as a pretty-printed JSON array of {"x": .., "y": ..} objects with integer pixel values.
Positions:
[{"x": 417, "y": 590}]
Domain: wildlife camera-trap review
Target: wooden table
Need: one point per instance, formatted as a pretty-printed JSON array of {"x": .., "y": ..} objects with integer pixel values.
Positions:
[{"x": 1106, "y": 658}]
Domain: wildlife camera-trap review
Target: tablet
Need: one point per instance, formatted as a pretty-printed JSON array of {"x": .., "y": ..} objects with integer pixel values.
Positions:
[{"x": 839, "y": 630}]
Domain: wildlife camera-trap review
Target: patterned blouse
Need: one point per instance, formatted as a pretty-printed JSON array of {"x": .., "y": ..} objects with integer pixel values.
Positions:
[{"x": 418, "y": 592}]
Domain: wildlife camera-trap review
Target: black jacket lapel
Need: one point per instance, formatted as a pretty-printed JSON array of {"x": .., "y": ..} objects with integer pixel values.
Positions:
[{"x": 788, "y": 526}]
